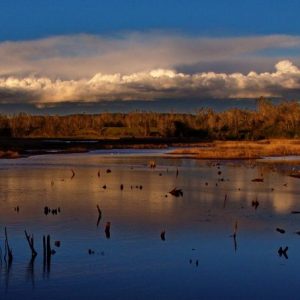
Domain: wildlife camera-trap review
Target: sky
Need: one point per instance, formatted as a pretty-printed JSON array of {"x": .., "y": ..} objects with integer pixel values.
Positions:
[{"x": 68, "y": 53}]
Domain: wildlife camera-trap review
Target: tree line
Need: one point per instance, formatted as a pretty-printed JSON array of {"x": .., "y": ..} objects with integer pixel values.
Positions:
[{"x": 267, "y": 121}]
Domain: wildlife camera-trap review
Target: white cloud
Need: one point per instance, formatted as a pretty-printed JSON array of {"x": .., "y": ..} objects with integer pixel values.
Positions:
[
  {"x": 154, "y": 84},
  {"x": 146, "y": 67}
]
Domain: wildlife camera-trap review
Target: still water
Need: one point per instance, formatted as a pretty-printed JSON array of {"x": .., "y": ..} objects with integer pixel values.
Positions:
[{"x": 198, "y": 258}]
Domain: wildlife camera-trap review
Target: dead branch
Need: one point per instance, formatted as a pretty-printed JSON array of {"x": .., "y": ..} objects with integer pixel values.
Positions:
[{"x": 30, "y": 241}]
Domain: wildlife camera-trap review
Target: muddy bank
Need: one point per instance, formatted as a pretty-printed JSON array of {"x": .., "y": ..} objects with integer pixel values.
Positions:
[{"x": 27, "y": 147}]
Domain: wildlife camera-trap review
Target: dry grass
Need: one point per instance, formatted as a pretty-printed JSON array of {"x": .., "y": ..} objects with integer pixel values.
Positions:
[
  {"x": 9, "y": 154},
  {"x": 243, "y": 149}
]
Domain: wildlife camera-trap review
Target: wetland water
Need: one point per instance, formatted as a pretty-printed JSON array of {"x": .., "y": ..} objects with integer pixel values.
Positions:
[{"x": 197, "y": 260}]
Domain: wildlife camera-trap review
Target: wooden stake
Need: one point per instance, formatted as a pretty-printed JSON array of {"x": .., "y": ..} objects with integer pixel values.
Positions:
[{"x": 48, "y": 247}]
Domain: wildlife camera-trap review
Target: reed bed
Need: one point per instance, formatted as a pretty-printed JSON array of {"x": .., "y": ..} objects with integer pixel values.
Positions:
[{"x": 243, "y": 149}]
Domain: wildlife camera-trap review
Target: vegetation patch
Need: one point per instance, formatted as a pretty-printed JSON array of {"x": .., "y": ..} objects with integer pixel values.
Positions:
[
  {"x": 268, "y": 121},
  {"x": 243, "y": 149}
]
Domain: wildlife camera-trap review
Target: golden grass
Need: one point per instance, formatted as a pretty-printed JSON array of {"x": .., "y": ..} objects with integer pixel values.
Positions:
[
  {"x": 9, "y": 154},
  {"x": 243, "y": 149}
]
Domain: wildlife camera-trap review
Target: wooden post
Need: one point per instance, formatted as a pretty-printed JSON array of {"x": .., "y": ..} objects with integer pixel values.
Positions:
[
  {"x": 44, "y": 247},
  {"x": 44, "y": 253},
  {"x": 48, "y": 246},
  {"x": 48, "y": 253}
]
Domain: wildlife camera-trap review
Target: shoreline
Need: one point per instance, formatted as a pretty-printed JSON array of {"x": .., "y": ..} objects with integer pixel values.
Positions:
[
  {"x": 24, "y": 147},
  {"x": 186, "y": 147}
]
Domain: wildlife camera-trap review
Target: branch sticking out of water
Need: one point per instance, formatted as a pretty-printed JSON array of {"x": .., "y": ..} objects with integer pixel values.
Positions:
[
  {"x": 30, "y": 241},
  {"x": 176, "y": 192},
  {"x": 99, "y": 215},
  {"x": 234, "y": 235}
]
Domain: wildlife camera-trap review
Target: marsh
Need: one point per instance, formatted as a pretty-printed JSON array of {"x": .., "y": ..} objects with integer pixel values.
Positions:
[{"x": 198, "y": 257}]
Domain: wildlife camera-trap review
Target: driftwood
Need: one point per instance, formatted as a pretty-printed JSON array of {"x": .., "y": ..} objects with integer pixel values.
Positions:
[
  {"x": 176, "y": 192},
  {"x": 283, "y": 252},
  {"x": 53, "y": 211},
  {"x": 30, "y": 241},
  {"x": 257, "y": 180},
  {"x": 280, "y": 230},
  {"x": 99, "y": 215}
]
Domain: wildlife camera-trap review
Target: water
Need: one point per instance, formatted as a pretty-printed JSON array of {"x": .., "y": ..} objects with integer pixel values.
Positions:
[{"x": 134, "y": 263}]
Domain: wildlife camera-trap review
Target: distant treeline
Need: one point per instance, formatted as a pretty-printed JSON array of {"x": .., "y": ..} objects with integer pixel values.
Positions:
[{"x": 268, "y": 121}]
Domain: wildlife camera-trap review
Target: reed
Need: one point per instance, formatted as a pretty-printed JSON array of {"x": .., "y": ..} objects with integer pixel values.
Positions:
[{"x": 243, "y": 149}]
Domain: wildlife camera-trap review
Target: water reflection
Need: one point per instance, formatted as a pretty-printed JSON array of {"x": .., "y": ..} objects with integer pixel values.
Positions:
[
  {"x": 30, "y": 271},
  {"x": 142, "y": 240},
  {"x": 7, "y": 271},
  {"x": 283, "y": 202},
  {"x": 107, "y": 230}
]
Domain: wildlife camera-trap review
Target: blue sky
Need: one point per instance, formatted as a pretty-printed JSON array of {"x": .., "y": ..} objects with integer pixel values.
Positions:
[
  {"x": 76, "y": 51},
  {"x": 22, "y": 20}
]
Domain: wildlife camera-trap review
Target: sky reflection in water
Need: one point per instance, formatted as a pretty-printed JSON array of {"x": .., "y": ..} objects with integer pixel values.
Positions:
[{"x": 135, "y": 263}]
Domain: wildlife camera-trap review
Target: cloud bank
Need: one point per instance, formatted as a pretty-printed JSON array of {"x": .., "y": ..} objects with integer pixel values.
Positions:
[{"x": 87, "y": 68}]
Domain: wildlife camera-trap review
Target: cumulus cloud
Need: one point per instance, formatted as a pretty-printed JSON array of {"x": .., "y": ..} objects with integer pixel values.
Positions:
[
  {"x": 87, "y": 68},
  {"x": 154, "y": 84}
]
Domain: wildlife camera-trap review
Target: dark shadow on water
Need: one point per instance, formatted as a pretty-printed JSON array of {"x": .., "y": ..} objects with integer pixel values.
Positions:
[
  {"x": 107, "y": 230},
  {"x": 46, "y": 257},
  {"x": 30, "y": 275},
  {"x": 98, "y": 221},
  {"x": 235, "y": 243},
  {"x": 7, "y": 273}
]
